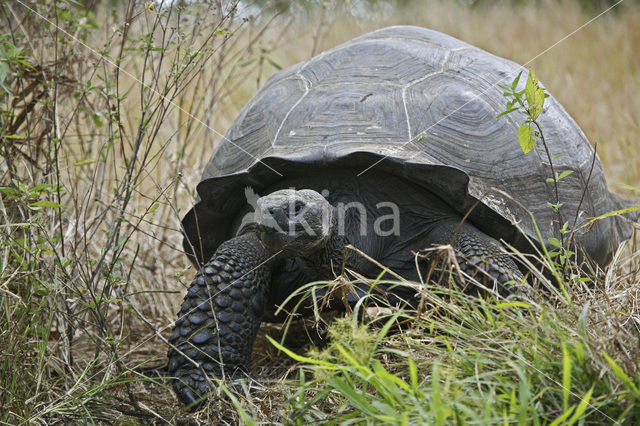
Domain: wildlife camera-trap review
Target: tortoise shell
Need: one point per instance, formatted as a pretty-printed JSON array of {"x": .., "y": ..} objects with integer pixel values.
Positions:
[{"x": 421, "y": 105}]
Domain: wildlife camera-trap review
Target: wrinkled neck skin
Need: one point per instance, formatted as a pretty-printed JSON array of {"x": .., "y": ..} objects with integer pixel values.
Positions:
[{"x": 327, "y": 261}]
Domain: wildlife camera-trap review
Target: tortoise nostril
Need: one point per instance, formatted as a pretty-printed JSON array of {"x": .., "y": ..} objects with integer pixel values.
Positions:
[{"x": 276, "y": 216}]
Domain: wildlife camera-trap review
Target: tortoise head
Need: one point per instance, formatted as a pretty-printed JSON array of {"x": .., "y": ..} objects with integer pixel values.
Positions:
[{"x": 296, "y": 222}]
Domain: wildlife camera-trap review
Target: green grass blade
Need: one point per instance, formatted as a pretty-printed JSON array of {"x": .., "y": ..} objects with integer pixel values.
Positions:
[
  {"x": 413, "y": 373},
  {"x": 562, "y": 418},
  {"x": 566, "y": 377},
  {"x": 301, "y": 358},
  {"x": 617, "y": 370},
  {"x": 582, "y": 407}
]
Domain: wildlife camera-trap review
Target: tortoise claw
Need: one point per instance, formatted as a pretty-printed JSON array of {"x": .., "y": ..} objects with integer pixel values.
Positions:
[{"x": 191, "y": 387}]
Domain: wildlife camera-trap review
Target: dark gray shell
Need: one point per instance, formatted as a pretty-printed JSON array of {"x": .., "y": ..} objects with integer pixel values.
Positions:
[{"x": 419, "y": 104}]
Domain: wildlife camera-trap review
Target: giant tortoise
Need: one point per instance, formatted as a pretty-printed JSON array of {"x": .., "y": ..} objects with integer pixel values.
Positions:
[{"x": 383, "y": 143}]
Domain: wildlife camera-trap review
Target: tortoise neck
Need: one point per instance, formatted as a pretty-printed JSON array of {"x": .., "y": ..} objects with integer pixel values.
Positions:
[{"x": 328, "y": 260}]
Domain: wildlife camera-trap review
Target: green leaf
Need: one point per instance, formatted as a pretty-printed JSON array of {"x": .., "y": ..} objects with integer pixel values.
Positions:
[
  {"x": 530, "y": 89},
  {"x": 44, "y": 203},
  {"x": 555, "y": 242},
  {"x": 85, "y": 162},
  {"x": 224, "y": 33},
  {"x": 516, "y": 80},
  {"x": 564, "y": 174},
  {"x": 554, "y": 207},
  {"x": 11, "y": 192},
  {"x": 4, "y": 71},
  {"x": 507, "y": 111},
  {"x": 539, "y": 101},
  {"x": 527, "y": 138},
  {"x": 274, "y": 64},
  {"x": 247, "y": 62}
]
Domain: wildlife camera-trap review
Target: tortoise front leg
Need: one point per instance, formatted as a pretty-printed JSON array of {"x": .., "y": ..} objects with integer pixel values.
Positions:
[
  {"x": 220, "y": 317},
  {"x": 480, "y": 256}
]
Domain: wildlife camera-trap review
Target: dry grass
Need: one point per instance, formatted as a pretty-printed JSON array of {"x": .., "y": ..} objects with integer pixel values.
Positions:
[{"x": 595, "y": 74}]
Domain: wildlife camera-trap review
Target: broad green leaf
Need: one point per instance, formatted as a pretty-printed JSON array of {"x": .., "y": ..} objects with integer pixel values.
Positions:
[
  {"x": 555, "y": 242},
  {"x": 564, "y": 174},
  {"x": 11, "y": 192},
  {"x": 539, "y": 102},
  {"x": 44, "y": 187},
  {"x": 530, "y": 90},
  {"x": 535, "y": 111},
  {"x": 527, "y": 138}
]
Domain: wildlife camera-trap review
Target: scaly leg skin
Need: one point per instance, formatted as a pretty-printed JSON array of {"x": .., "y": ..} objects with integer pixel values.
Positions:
[
  {"x": 482, "y": 258},
  {"x": 220, "y": 317}
]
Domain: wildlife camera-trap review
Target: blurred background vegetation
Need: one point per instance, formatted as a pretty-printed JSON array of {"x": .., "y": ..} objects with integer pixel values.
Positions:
[{"x": 109, "y": 111}]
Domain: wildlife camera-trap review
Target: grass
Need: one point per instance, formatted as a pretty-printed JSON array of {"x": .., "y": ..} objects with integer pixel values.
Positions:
[{"x": 98, "y": 171}]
